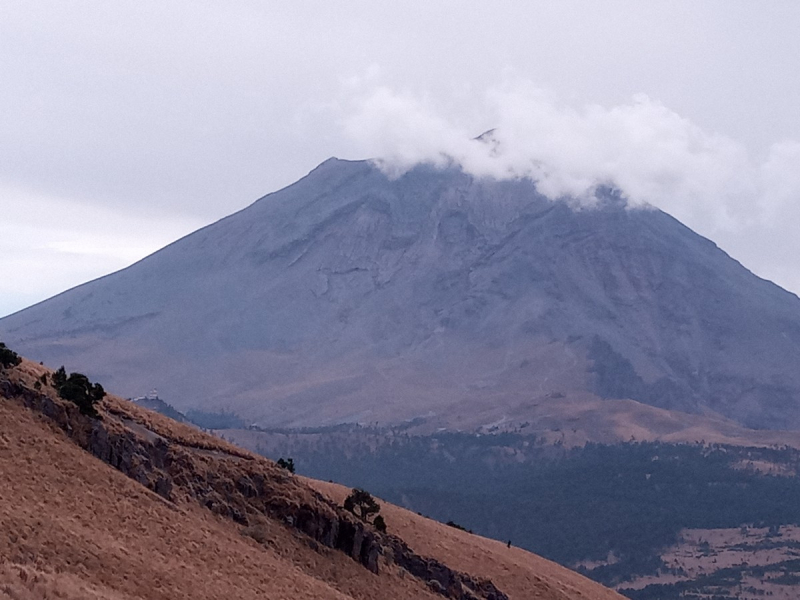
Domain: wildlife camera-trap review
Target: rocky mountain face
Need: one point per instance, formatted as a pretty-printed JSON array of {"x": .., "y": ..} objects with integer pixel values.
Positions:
[{"x": 354, "y": 297}]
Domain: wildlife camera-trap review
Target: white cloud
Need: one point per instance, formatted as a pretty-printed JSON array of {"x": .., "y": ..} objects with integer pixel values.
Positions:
[
  {"x": 653, "y": 155},
  {"x": 780, "y": 177}
]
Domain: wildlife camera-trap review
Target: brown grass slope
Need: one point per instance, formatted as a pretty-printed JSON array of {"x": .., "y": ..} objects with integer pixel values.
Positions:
[
  {"x": 515, "y": 571},
  {"x": 137, "y": 506}
]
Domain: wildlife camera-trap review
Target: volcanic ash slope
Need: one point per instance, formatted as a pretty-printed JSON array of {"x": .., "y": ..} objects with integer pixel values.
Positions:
[{"x": 351, "y": 296}]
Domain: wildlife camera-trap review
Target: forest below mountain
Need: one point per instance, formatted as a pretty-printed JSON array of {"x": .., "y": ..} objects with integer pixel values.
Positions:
[{"x": 578, "y": 506}]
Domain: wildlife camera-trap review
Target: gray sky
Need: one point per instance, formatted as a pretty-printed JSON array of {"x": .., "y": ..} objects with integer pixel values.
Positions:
[{"x": 124, "y": 125}]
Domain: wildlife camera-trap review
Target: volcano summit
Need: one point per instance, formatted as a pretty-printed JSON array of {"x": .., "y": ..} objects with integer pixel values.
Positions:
[{"x": 351, "y": 296}]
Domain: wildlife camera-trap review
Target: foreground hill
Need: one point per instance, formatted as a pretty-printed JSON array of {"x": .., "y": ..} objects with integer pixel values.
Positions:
[
  {"x": 134, "y": 505},
  {"x": 655, "y": 520},
  {"x": 523, "y": 574},
  {"x": 353, "y": 297}
]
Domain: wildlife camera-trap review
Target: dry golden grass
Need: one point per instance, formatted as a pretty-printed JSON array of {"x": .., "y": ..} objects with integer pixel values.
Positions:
[
  {"x": 583, "y": 418},
  {"x": 28, "y": 372},
  {"x": 518, "y": 573},
  {"x": 73, "y": 527},
  {"x": 18, "y": 582},
  {"x": 70, "y": 524}
]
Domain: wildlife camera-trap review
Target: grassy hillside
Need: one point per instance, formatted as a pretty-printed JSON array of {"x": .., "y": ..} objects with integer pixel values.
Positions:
[
  {"x": 611, "y": 510},
  {"x": 133, "y": 505}
]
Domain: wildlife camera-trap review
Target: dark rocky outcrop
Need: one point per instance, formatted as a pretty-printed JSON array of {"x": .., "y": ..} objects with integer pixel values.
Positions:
[{"x": 440, "y": 578}]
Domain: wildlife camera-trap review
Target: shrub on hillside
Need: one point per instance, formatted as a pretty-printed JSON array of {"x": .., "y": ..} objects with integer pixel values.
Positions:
[
  {"x": 362, "y": 504},
  {"x": 455, "y": 525},
  {"x": 78, "y": 389},
  {"x": 8, "y": 358},
  {"x": 59, "y": 378},
  {"x": 287, "y": 464}
]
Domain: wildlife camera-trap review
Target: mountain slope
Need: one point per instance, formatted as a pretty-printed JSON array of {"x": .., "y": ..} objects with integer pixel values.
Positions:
[
  {"x": 350, "y": 296},
  {"x": 75, "y": 526}
]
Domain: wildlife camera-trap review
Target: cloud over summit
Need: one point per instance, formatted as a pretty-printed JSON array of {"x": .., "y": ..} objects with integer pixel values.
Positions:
[{"x": 650, "y": 153}]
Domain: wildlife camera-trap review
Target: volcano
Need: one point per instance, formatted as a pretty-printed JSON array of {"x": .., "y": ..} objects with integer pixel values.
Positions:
[{"x": 438, "y": 297}]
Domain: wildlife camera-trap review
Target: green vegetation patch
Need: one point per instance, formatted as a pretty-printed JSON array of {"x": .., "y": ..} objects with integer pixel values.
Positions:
[
  {"x": 78, "y": 389},
  {"x": 8, "y": 358}
]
